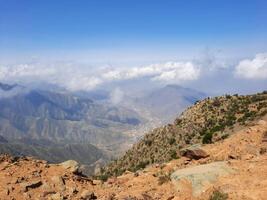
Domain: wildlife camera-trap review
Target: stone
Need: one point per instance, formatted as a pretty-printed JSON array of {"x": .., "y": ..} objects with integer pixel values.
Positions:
[
  {"x": 71, "y": 165},
  {"x": 195, "y": 154},
  {"x": 31, "y": 185},
  {"x": 146, "y": 196},
  {"x": 59, "y": 182},
  {"x": 56, "y": 196},
  {"x": 264, "y": 138},
  {"x": 88, "y": 195},
  {"x": 200, "y": 176}
]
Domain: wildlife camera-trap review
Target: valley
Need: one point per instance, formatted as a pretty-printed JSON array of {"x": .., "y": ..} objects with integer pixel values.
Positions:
[{"x": 58, "y": 125}]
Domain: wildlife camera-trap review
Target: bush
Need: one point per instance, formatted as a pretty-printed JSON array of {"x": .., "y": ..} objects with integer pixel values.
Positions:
[
  {"x": 148, "y": 142},
  {"x": 217, "y": 128},
  {"x": 207, "y": 139},
  {"x": 173, "y": 154},
  {"x": 172, "y": 141},
  {"x": 103, "y": 177},
  {"x": 216, "y": 103},
  {"x": 141, "y": 165},
  {"x": 164, "y": 179},
  {"x": 217, "y": 195},
  {"x": 225, "y": 136}
]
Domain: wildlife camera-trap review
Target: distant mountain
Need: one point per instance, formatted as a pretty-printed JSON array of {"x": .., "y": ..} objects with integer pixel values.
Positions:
[
  {"x": 63, "y": 118},
  {"x": 168, "y": 102},
  {"x": 84, "y": 153},
  {"x": 7, "y": 87},
  {"x": 58, "y": 126},
  {"x": 3, "y": 140},
  {"x": 48, "y": 124}
]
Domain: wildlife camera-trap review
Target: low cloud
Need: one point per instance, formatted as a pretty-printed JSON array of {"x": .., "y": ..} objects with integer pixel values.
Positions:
[
  {"x": 177, "y": 71},
  {"x": 255, "y": 68},
  {"x": 169, "y": 71},
  {"x": 116, "y": 96},
  {"x": 75, "y": 77}
]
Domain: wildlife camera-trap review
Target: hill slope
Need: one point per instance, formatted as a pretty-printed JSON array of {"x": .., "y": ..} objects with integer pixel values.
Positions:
[
  {"x": 168, "y": 102},
  {"x": 207, "y": 121},
  {"x": 230, "y": 171}
]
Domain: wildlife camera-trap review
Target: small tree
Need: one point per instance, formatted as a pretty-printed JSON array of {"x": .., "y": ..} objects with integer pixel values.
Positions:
[{"x": 207, "y": 139}]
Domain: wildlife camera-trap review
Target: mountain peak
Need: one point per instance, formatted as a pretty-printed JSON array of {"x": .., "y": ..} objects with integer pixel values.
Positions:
[{"x": 7, "y": 87}]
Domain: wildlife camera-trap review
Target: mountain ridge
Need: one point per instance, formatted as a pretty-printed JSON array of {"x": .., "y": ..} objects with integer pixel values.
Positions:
[{"x": 209, "y": 120}]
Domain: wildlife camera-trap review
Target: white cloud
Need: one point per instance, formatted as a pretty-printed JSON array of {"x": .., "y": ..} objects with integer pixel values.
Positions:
[
  {"x": 169, "y": 71},
  {"x": 179, "y": 72},
  {"x": 255, "y": 68},
  {"x": 24, "y": 71},
  {"x": 76, "y": 77}
]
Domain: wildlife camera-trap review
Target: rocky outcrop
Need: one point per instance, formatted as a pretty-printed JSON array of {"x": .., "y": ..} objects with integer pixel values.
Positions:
[
  {"x": 194, "y": 152},
  {"x": 200, "y": 177},
  {"x": 71, "y": 165}
]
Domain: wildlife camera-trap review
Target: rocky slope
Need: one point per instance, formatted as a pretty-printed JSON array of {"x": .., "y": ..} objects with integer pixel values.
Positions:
[
  {"x": 234, "y": 168},
  {"x": 207, "y": 121}
]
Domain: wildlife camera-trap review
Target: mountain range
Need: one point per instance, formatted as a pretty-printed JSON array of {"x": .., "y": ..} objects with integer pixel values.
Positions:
[{"x": 49, "y": 124}]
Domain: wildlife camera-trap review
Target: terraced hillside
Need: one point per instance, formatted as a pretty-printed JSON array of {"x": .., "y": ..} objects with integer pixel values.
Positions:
[{"x": 209, "y": 120}]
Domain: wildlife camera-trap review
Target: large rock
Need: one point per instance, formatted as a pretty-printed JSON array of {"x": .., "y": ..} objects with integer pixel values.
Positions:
[
  {"x": 200, "y": 177},
  {"x": 71, "y": 165},
  {"x": 194, "y": 152}
]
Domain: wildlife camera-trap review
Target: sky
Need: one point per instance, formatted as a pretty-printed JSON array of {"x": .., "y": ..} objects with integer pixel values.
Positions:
[{"x": 95, "y": 42}]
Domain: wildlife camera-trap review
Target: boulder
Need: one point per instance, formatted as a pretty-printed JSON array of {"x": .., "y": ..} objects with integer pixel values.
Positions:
[
  {"x": 200, "y": 177},
  {"x": 194, "y": 152},
  {"x": 88, "y": 195},
  {"x": 71, "y": 165}
]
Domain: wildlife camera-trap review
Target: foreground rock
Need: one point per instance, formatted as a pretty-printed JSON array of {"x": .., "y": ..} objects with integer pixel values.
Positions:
[
  {"x": 71, "y": 165},
  {"x": 200, "y": 177}
]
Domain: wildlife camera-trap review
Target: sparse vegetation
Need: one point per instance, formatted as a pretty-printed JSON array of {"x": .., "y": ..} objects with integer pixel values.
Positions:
[
  {"x": 163, "y": 177},
  {"x": 208, "y": 120},
  {"x": 218, "y": 195},
  {"x": 207, "y": 139}
]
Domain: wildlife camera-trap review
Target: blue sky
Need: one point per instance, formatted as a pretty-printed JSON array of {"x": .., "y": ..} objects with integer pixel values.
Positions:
[
  {"x": 85, "y": 44},
  {"x": 165, "y": 29}
]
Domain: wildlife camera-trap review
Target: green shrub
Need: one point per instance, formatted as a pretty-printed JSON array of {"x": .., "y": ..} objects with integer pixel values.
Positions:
[
  {"x": 103, "y": 177},
  {"x": 148, "y": 142},
  {"x": 172, "y": 141},
  {"x": 141, "y": 165},
  {"x": 207, "y": 139},
  {"x": 217, "y": 195},
  {"x": 225, "y": 136},
  {"x": 173, "y": 154}
]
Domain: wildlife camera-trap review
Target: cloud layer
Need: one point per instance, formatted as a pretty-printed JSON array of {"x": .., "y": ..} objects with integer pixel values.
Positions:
[
  {"x": 255, "y": 68},
  {"x": 74, "y": 77}
]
